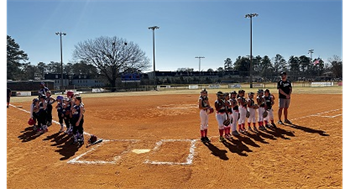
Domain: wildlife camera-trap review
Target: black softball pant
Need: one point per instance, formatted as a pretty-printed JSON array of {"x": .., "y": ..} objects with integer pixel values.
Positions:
[{"x": 79, "y": 128}]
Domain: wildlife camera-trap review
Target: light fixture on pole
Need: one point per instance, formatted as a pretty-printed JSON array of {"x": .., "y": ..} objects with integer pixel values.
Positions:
[
  {"x": 154, "y": 55},
  {"x": 310, "y": 52},
  {"x": 199, "y": 57},
  {"x": 60, "y": 34},
  {"x": 251, "y": 46}
]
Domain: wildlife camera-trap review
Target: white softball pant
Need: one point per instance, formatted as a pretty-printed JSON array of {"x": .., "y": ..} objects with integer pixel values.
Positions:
[
  {"x": 234, "y": 120},
  {"x": 252, "y": 117},
  {"x": 269, "y": 116},
  {"x": 204, "y": 119},
  {"x": 243, "y": 114},
  {"x": 260, "y": 112},
  {"x": 221, "y": 117}
]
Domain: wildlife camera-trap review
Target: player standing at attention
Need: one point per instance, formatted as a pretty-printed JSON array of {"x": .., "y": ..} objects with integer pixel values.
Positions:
[
  {"x": 66, "y": 111},
  {"x": 228, "y": 107},
  {"x": 284, "y": 87},
  {"x": 220, "y": 113},
  {"x": 41, "y": 112},
  {"x": 59, "y": 109},
  {"x": 204, "y": 106},
  {"x": 261, "y": 103},
  {"x": 234, "y": 105},
  {"x": 269, "y": 102},
  {"x": 49, "y": 102},
  {"x": 252, "y": 110},
  {"x": 78, "y": 120},
  {"x": 242, "y": 108}
]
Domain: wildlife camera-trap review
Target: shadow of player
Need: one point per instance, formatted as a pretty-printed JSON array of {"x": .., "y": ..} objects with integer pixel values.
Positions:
[
  {"x": 57, "y": 138},
  {"x": 216, "y": 151},
  {"x": 248, "y": 141},
  {"x": 257, "y": 137},
  {"x": 68, "y": 149},
  {"x": 276, "y": 132},
  {"x": 234, "y": 148},
  {"x": 308, "y": 130},
  {"x": 242, "y": 147},
  {"x": 28, "y": 134}
]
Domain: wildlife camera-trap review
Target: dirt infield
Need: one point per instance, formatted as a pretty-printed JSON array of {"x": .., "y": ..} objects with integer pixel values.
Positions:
[{"x": 305, "y": 155}]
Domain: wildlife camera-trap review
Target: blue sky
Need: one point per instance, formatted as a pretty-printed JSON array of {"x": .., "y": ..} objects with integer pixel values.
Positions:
[{"x": 216, "y": 30}]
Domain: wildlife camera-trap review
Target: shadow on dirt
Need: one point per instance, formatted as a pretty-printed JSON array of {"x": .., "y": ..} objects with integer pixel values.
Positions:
[
  {"x": 308, "y": 130},
  {"x": 64, "y": 144},
  {"x": 235, "y": 148},
  {"x": 28, "y": 134},
  {"x": 216, "y": 151}
]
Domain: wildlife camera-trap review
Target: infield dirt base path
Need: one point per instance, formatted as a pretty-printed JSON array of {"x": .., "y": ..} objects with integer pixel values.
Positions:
[{"x": 306, "y": 155}]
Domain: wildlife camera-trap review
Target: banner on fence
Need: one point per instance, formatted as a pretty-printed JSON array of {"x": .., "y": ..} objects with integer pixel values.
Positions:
[
  {"x": 193, "y": 87},
  {"x": 321, "y": 84},
  {"x": 236, "y": 85},
  {"x": 23, "y": 93},
  {"x": 214, "y": 86}
]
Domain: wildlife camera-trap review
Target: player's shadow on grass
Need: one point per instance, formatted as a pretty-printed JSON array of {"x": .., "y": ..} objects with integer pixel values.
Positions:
[
  {"x": 235, "y": 148},
  {"x": 28, "y": 134},
  {"x": 67, "y": 149},
  {"x": 216, "y": 151},
  {"x": 309, "y": 130}
]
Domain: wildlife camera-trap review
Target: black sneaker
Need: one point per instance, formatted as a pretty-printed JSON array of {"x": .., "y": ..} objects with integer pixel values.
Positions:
[
  {"x": 287, "y": 121},
  {"x": 262, "y": 128},
  {"x": 235, "y": 133},
  {"x": 268, "y": 126},
  {"x": 203, "y": 139},
  {"x": 273, "y": 125},
  {"x": 206, "y": 139},
  {"x": 280, "y": 122}
]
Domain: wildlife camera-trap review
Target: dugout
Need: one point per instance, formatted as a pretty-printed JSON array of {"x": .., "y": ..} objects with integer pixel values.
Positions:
[{"x": 29, "y": 85}]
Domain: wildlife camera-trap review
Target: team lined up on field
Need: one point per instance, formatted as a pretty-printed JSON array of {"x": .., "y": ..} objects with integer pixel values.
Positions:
[
  {"x": 70, "y": 110},
  {"x": 233, "y": 110}
]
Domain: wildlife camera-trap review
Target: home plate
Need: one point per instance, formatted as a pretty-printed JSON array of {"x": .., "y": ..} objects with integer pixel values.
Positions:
[{"x": 141, "y": 151}]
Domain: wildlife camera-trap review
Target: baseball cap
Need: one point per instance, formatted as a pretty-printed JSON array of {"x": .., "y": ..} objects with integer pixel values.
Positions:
[
  {"x": 42, "y": 83},
  {"x": 233, "y": 92},
  {"x": 251, "y": 93},
  {"x": 219, "y": 93},
  {"x": 283, "y": 73}
]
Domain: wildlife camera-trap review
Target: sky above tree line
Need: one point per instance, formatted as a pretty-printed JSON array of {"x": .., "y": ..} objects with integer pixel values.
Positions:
[{"x": 215, "y": 30}]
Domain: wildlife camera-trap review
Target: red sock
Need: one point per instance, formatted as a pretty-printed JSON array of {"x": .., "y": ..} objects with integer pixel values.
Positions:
[
  {"x": 243, "y": 125},
  {"x": 221, "y": 131},
  {"x": 202, "y": 133},
  {"x": 248, "y": 124},
  {"x": 266, "y": 122},
  {"x": 228, "y": 130},
  {"x": 272, "y": 121},
  {"x": 254, "y": 124},
  {"x": 239, "y": 126},
  {"x": 205, "y": 132}
]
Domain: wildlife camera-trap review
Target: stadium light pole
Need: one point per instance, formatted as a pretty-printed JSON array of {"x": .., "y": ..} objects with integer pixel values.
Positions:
[
  {"x": 251, "y": 46},
  {"x": 60, "y": 34},
  {"x": 154, "y": 55},
  {"x": 310, "y": 52},
  {"x": 199, "y": 57}
]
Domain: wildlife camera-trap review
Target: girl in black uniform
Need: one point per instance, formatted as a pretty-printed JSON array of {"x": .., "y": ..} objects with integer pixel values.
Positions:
[
  {"x": 229, "y": 115},
  {"x": 49, "y": 102},
  {"x": 59, "y": 108},
  {"x": 40, "y": 110},
  {"x": 78, "y": 120},
  {"x": 66, "y": 107}
]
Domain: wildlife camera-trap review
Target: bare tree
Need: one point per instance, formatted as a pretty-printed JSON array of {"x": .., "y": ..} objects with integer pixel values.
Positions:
[{"x": 112, "y": 56}]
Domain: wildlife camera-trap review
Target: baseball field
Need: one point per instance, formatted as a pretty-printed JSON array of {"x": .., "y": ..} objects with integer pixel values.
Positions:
[{"x": 151, "y": 140}]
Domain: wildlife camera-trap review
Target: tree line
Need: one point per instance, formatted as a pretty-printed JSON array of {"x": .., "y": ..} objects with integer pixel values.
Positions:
[{"x": 111, "y": 56}]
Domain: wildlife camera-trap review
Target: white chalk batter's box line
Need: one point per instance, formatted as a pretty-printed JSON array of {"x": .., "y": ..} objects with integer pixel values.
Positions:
[
  {"x": 189, "y": 158},
  {"x": 115, "y": 159}
]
